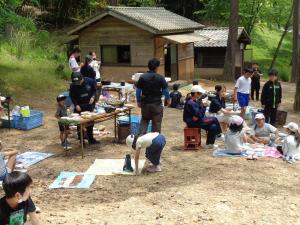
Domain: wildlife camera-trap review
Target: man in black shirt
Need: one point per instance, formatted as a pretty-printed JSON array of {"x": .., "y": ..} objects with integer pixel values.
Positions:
[
  {"x": 17, "y": 204},
  {"x": 255, "y": 83},
  {"x": 150, "y": 88},
  {"x": 82, "y": 93}
]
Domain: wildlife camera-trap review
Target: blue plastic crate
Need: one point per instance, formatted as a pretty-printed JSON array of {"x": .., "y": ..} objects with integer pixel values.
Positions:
[
  {"x": 27, "y": 123},
  {"x": 135, "y": 124}
]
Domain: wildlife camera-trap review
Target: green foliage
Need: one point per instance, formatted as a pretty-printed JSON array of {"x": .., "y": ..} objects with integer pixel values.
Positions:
[
  {"x": 20, "y": 42},
  {"x": 270, "y": 12},
  {"x": 139, "y": 2},
  {"x": 264, "y": 43}
]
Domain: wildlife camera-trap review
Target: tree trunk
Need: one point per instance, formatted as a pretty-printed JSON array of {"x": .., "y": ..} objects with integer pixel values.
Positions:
[
  {"x": 295, "y": 60},
  {"x": 229, "y": 66},
  {"x": 113, "y": 2},
  {"x": 286, "y": 27},
  {"x": 296, "y": 55}
]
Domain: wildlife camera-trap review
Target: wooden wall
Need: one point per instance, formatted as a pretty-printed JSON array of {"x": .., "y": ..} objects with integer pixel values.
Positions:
[
  {"x": 159, "y": 53},
  {"x": 118, "y": 73},
  {"x": 186, "y": 61},
  {"x": 111, "y": 31}
]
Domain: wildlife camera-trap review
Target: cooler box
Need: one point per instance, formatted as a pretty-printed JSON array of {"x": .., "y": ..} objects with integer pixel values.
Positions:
[
  {"x": 29, "y": 122},
  {"x": 135, "y": 124}
]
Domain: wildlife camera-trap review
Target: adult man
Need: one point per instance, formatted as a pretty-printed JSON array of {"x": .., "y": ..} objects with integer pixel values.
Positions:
[
  {"x": 242, "y": 91},
  {"x": 255, "y": 83},
  {"x": 194, "y": 116},
  {"x": 82, "y": 93},
  {"x": 150, "y": 88}
]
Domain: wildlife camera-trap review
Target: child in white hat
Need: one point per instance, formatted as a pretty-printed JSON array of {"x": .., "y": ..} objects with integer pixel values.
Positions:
[
  {"x": 235, "y": 138},
  {"x": 263, "y": 132},
  {"x": 291, "y": 144}
]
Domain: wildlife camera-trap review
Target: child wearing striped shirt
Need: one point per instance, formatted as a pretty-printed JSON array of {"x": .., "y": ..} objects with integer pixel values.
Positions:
[{"x": 6, "y": 168}]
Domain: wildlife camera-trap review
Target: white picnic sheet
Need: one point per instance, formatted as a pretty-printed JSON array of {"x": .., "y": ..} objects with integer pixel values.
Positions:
[{"x": 108, "y": 167}]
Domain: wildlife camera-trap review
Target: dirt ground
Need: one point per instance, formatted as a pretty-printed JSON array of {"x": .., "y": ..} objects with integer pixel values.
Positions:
[{"x": 193, "y": 188}]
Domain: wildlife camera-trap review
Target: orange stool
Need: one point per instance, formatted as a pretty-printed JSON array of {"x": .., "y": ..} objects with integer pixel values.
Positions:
[{"x": 192, "y": 138}]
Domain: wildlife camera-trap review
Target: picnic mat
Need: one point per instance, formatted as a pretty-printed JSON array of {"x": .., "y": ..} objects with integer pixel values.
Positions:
[
  {"x": 107, "y": 167},
  {"x": 28, "y": 159},
  {"x": 222, "y": 153},
  {"x": 259, "y": 152},
  {"x": 73, "y": 180}
]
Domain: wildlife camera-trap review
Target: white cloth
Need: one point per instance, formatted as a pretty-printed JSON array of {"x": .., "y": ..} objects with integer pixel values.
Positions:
[
  {"x": 290, "y": 148},
  {"x": 146, "y": 140},
  {"x": 234, "y": 142},
  {"x": 2, "y": 165},
  {"x": 263, "y": 132},
  {"x": 96, "y": 66},
  {"x": 74, "y": 67},
  {"x": 222, "y": 118},
  {"x": 243, "y": 85}
]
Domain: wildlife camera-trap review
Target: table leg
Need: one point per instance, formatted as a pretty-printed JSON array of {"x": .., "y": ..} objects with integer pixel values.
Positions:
[
  {"x": 8, "y": 112},
  {"x": 65, "y": 140},
  {"x": 115, "y": 118},
  {"x": 129, "y": 114},
  {"x": 81, "y": 140}
]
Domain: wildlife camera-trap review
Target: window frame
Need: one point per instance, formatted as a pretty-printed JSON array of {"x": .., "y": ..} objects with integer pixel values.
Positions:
[{"x": 118, "y": 63}]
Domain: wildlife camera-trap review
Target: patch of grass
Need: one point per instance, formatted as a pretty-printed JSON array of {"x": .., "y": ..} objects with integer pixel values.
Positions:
[
  {"x": 264, "y": 44},
  {"x": 35, "y": 72}
]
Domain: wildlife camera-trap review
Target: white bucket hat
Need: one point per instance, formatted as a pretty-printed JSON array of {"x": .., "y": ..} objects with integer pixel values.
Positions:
[
  {"x": 237, "y": 120},
  {"x": 197, "y": 89},
  {"x": 292, "y": 126},
  {"x": 259, "y": 116}
]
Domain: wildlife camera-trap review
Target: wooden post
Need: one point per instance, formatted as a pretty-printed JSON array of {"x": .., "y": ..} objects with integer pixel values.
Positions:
[{"x": 296, "y": 55}]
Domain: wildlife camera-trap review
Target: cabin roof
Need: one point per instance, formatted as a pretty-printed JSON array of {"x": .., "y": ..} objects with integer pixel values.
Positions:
[
  {"x": 156, "y": 20},
  {"x": 218, "y": 37}
]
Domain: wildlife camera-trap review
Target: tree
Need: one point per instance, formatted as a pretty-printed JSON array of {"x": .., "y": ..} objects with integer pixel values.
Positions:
[
  {"x": 232, "y": 44},
  {"x": 286, "y": 28},
  {"x": 296, "y": 55}
]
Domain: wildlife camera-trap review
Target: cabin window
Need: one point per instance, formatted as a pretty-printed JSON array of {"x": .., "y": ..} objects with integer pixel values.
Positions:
[
  {"x": 210, "y": 57},
  {"x": 115, "y": 54}
]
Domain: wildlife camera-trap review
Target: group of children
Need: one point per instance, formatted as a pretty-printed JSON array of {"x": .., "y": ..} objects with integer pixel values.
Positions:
[{"x": 263, "y": 131}]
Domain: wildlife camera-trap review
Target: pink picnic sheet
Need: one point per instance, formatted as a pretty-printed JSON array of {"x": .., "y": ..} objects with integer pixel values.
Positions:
[{"x": 272, "y": 152}]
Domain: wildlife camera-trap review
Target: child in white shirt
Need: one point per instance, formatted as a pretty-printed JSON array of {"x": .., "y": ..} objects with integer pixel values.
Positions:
[
  {"x": 242, "y": 91},
  {"x": 154, "y": 143},
  {"x": 235, "y": 137}
]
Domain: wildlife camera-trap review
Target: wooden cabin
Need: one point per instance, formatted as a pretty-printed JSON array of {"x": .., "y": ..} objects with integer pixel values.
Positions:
[
  {"x": 210, "y": 52},
  {"x": 125, "y": 38}
]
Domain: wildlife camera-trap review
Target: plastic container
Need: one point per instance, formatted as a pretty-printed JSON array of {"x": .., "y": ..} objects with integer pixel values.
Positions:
[
  {"x": 27, "y": 123},
  {"x": 123, "y": 132},
  {"x": 135, "y": 124}
]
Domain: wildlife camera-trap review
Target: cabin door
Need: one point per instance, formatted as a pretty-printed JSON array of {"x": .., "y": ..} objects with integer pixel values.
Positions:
[{"x": 171, "y": 61}]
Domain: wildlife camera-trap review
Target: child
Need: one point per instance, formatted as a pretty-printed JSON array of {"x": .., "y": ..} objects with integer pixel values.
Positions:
[
  {"x": 271, "y": 97},
  {"x": 176, "y": 96},
  {"x": 242, "y": 91},
  {"x": 235, "y": 137},
  {"x": 263, "y": 132},
  {"x": 17, "y": 203},
  {"x": 154, "y": 143},
  {"x": 6, "y": 168},
  {"x": 218, "y": 109},
  {"x": 255, "y": 84},
  {"x": 64, "y": 129},
  {"x": 194, "y": 117},
  {"x": 291, "y": 144}
]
